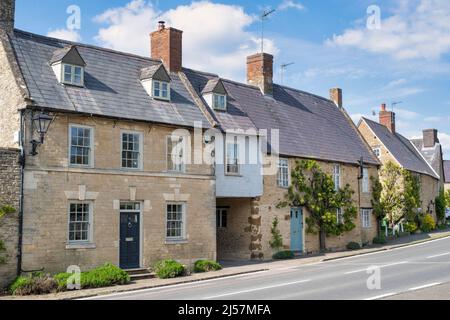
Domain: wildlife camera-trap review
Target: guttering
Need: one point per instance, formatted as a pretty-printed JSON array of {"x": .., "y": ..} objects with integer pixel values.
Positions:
[{"x": 22, "y": 167}]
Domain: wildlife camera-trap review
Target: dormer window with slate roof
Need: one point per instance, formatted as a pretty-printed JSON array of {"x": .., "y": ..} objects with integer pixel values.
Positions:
[
  {"x": 68, "y": 66},
  {"x": 156, "y": 82},
  {"x": 215, "y": 95}
]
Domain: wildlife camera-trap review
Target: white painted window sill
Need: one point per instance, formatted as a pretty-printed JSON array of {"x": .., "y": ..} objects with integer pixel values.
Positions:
[
  {"x": 176, "y": 241},
  {"x": 76, "y": 246}
]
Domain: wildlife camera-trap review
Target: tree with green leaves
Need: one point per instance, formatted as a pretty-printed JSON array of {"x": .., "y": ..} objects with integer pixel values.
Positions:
[
  {"x": 440, "y": 206},
  {"x": 276, "y": 242},
  {"x": 377, "y": 203},
  {"x": 314, "y": 189},
  {"x": 392, "y": 196},
  {"x": 447, "y": 198},
  {"x": 411, "y": 197}
]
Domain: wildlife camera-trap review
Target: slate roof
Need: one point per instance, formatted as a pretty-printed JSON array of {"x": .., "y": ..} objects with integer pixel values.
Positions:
[
  {"x": 433, "y": 155},
  {"x": 310, "y": 126},
  {"x": 210, "y": 85},
  {"x": 447, "y": 171},
  {"x": 112, "y": 84},
  {"x": 401, "y": 149}
]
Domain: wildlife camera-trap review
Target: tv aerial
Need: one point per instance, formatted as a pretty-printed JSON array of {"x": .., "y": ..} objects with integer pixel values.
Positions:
[{"x": 264, "y": 16}]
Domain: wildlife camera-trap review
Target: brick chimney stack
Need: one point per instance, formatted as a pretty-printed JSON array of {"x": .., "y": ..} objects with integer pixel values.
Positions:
[
  {"x": 167, "y": 45},
  {"x": 387, "y": 118},
  {"x": 336, "y": 96},
  {"x": 7, "y": 11},
  {"x": 260, "y": 72},
  {"x": 430, "y": 138}
]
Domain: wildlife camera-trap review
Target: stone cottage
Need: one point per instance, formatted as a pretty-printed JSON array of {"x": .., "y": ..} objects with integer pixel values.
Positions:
[{"x": 389, "y": 145}]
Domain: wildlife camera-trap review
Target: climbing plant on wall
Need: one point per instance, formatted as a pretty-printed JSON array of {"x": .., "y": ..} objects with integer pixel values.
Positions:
[
  {"x": 4, "y": 210},
  {"x": 314, "y": 189}
]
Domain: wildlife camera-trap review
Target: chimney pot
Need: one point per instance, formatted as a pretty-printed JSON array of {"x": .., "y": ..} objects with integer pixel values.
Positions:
[
  {"x": 7, "y": 12},
  {"x": 260, "y": 72},
  {"x": 336, "y": 96},
  {"x": 383, "y": 107},
  {"x": 161, "y": 25}
]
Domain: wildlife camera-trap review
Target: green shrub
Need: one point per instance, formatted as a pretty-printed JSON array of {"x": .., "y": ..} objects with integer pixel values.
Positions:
[
  {"x": 206, "y": 266},
  {"x": 353, "y": 246},
  {"x": 33, "y": 284},
  {"x": 105, "y": 276},
  {"x": 166, "y": 269},
  {"x": 428, "y": 223},
  {"x": 410, "y": 227},
  {"x": 380, "y": 240},
  {"x": 284, "y": 255}
]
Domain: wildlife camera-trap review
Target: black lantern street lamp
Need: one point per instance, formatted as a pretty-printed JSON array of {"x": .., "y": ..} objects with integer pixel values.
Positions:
[{"x": 41, "y": 122}]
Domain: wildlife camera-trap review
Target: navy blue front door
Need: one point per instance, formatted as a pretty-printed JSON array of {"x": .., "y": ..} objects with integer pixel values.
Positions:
[{"x": 129, "y": 240}]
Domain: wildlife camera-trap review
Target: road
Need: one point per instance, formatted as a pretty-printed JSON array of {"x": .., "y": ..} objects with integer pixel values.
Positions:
[{"x": 403, "y": 272}]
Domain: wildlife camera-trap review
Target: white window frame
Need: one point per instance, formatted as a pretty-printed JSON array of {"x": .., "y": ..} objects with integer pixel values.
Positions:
[
  {"x": 91, "y": 223},
  {"x": 91, "y": 147},
  {"x": 160, "y": 83},
  {"x": 340, "y": 216},
  {"x": 217, "y": 106},
  {"x": 337, "y": 171},
  {"x": 141, "y": 149},
  {"x": 283, "y": 180},
  {"x": 72, "y": 75},
  {"x": 366, "y": 218},
  {"x": 377, "y": 152},
  {"x": 365, "y": 181},
  {"x": 235, "y": 144},
  {"x": 219, "y": 216},
  {"x": 182, "y": 168},
  {"x": 182, "y": 237}
]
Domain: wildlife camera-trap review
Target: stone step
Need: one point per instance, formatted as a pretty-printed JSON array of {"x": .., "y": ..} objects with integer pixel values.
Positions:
[
  {"x": 141, "y": 276},
  {"x": 137, "y": 271}
]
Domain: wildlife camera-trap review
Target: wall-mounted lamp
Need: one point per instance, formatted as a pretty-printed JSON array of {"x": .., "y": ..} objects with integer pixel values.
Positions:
[{"x": 41, "y": 122}]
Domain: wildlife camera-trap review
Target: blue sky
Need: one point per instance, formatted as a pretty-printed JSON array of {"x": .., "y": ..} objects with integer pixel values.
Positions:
[{"x": 407, "y": 59}]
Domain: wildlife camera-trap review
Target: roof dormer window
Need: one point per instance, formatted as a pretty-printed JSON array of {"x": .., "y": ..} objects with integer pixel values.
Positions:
[
  {"x": 68, "y": 66},
  {"x": 73, "y": 75},
  {"x": 219, "y": 102},
  {"x": 215, "y": 94},
  {"x": 161, "y": 90},
  {"x": 156, "y": 81}
]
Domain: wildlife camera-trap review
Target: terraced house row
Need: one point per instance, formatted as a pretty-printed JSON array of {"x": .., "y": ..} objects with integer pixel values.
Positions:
[{"x": 114, "y": 148}]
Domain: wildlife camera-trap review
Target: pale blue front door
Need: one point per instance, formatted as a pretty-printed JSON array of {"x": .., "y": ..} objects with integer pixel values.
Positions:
[{"x": 296, "y": 229}]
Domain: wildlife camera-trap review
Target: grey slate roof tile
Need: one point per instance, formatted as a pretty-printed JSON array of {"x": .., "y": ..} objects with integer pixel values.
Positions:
[
  {"x": 402, "y": 149},
  {"x": 112, "y": 84},
  {"x": 432, "y": 155},
  {"x": 310, "y": 126}
]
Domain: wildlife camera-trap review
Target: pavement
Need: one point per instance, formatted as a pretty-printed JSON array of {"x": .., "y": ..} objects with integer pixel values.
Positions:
[{"x": 403, "y": 263}]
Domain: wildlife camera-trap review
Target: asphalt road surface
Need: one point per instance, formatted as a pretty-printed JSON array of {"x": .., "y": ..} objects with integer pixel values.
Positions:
[{"x": 404, "y": 273}]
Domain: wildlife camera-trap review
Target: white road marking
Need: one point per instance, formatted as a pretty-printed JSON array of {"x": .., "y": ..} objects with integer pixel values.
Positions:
[
  {"x": 425, "y": 286},
  {"x": 386, "y": 250},
  {"x": 256, "y": 289},
  {"x": 382, "y": 296},
  {"x": 439, "y": 255},
  {"x": 383, "y": 266},
  {"x": 194, "y": 284}
]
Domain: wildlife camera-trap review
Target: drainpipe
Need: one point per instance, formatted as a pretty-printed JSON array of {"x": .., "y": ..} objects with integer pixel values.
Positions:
[{"x": 22, "y": 167}]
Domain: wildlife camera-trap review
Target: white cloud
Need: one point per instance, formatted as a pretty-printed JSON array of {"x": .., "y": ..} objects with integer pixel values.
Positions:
[
  {"x": 417, "y": 30},
  {"x": 290, "y": 4},
  {"x": 65, "y": 34},
  {"x": 215, "y": 35},
  {"x": 444, "y": 139}
]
